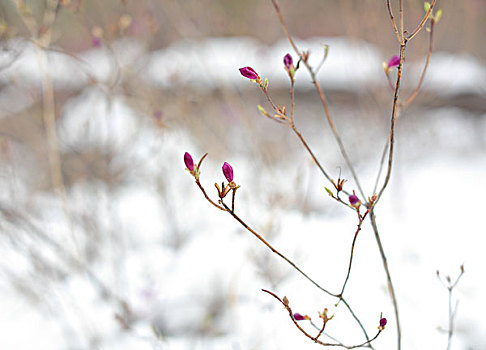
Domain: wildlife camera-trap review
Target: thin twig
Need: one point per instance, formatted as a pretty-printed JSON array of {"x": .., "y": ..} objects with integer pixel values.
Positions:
[
  {"x": 388, "y": 277},
  {"x": 393, "y": 121},
  {"x": 320, "y": 331},
  {"x": 207, "y": 197},
  {"x": 424, "y": 71},
  {"x": 452, "y": 310},
  {"x": 382, "y": 163},
  {"x": 409, "y": 100},
  {"x": 450, "y": 330},
  {"x": 315, "y": 339},
  {"x": 392, "y": 18},
  {"x": 314, "y": 158},
  {"x": 361, "y": 220},
  {"x": 401, "y": 22},
  {"x": 292, "y": 99},
  {"x": 322, "y": 97},
  {"x": 357, "y": 320},
  {"x": 257, "y": 235},
  {"x": 289, "y": 122},
  {"x": 324, "y": 333},
  {"x": 233, "y": 193},
  {"x": 422, "y": 23}
]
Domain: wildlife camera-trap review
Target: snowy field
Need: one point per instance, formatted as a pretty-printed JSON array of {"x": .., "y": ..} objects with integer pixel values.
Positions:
[{"x": 142, "y": 261}]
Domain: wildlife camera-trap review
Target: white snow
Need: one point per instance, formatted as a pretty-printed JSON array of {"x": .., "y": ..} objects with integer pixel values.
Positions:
[{"x": 190, "y": 271}]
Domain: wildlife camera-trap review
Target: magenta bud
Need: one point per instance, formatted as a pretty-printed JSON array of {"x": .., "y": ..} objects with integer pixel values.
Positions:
[
  {"x": 188, "y": 161},
  {"x": 298, "y": 317},
  {"x": 288, "y": 61},
  {"x": 383, "y": 322},
  {"x": 228, "y": 172},
  {"x": 249, "y": 73},
  {"x": 354, "y": 200},
  {"x": 96, "y": 42},
  {"x": 394, "y": 61}
]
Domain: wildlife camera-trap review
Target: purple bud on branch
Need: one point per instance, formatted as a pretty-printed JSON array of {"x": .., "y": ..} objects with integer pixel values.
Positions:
[
  {"x": 394, "y": 61},
  {"x": 354, "y": 200},
  {"x": 228, "y": 172},
  {"x": 298, "y": 317},
  {"x": 249, "y": 73},
  {"x": 383, "y": 323},
  {"x": 288, "y": 61},
  {"x": 188, "y": 161}
]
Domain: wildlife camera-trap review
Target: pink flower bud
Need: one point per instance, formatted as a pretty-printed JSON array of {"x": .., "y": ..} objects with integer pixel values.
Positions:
[
  {"x": 288, "y": 61},
  {"x": 394, "y": 61},
  {"x": 354, "y": 200},
  {"x": 249, "y": 73},
  {"x": 228, "y": 172},
  {"x": 298, "y": 317},
  {"x": 96, "y": 42},
  {"x": 383, "y": 322},
  {"x": 188, "y": 161}
]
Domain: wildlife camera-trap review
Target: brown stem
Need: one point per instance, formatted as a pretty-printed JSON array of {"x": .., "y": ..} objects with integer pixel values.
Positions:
[
  {"x": 392, "y": 18},
  {"x": 422, "y": 23},
  {"x": 320, "y": 331},
  {"x": 409, "y": 99},
  {"x": 207, "y": 197},
  {"x": 257, "y": 235},
  {"x": 315, "y": 339},
  {"x": 388, "y": 277},
  {"x": 290, "y": 123},
  {"x": 382, "y": 163},
  {"x": 424, "y": 71},
  {"x": 322, "y": 97},
  {"x": 326, "y": 334},
  {"x": 361, "y": 220},
  {"x": 401, "y": 22},
  {"x": 393, "y": 121},
  {"x": 292, "y": 99},
  {"x": 314, "y": 158},
  {"x": 335, "y": 132},
  {"x": 368, "y": 342}
]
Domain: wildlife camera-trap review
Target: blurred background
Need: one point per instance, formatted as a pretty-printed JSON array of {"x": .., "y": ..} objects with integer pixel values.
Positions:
[{"x": 106, "y": 242}]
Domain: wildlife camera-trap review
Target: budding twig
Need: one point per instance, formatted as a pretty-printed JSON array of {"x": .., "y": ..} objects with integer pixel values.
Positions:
[
  {"x": 322, "y": 97},
  {"x": 286, "y": 305}
]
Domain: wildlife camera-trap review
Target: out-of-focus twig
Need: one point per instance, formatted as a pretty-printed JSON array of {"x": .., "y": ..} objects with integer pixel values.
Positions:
[{"x": 452, "y": 310}]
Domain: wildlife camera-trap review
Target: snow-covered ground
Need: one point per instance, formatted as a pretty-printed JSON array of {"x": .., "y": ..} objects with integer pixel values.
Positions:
[{"x": 190, "y": 276}]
